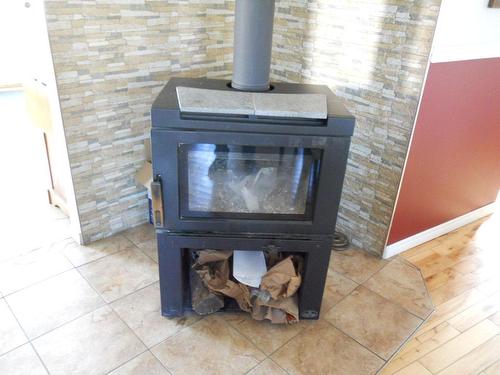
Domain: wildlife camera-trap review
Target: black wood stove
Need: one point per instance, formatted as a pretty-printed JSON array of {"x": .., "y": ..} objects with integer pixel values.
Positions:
[
  {"x": 200, "y": 162},
  {"x": 246, "y": 181}
]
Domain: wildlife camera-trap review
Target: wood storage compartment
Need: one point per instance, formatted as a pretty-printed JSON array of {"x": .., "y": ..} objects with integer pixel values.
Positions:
[
  {"x": 303, "y": 288},
  {"x": 214, "y": 285}
]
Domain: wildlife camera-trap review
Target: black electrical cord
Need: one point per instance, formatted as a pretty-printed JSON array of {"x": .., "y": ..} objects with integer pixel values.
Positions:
[{"x": 340, "y": 241}]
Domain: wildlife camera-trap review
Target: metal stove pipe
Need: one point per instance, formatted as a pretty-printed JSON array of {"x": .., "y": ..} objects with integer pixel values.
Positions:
[{"x": 253, "y": 37}]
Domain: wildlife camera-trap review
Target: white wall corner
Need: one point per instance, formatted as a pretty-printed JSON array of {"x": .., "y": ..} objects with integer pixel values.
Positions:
[{"x": 466, "y": 30}]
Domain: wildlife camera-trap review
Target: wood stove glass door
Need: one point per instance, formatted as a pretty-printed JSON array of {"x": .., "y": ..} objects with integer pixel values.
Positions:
[{"x": 247, "y": 182}]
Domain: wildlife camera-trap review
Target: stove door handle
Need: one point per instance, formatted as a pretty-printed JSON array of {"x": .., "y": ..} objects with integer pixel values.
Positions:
[{"x": 157, "y": 201}]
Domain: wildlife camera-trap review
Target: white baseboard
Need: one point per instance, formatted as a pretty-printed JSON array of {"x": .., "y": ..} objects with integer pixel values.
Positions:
[{"x": 437, "y": 231}]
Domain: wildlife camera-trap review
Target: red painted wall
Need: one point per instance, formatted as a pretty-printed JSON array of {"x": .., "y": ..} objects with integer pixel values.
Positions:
[{"x": 453, "y": 165}]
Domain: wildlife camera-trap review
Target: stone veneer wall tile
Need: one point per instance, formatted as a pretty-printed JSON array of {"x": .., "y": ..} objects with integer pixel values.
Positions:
[
  {"x": 112, "y": 57},
  {"x": 373, "y": 54}
]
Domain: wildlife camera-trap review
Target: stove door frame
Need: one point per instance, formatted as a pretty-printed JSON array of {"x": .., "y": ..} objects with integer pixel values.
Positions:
[{"x": 324, "y": 212}]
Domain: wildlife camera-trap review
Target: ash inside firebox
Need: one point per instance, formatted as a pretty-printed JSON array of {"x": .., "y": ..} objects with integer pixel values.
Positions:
[{"x": 248, "y": 179}]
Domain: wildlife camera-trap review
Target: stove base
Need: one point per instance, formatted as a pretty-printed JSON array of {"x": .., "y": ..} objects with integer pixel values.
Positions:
[{"x": 174, "y": 263}]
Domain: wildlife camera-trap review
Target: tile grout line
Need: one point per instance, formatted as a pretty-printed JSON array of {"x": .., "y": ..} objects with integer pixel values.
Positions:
[
  {"x": 230, "y": 326},
  {"x": 425, "y": 286},
  {"x": 176, "y": 333},
  {"x": 23, "y": 253},
  {"x": 401, "y": 345},
  {"x": 274, "y": 351},
  {"x": 346, "y": 275},
  {"x": 31, "y": 250},
  {"x": 44, "y": 279},
  {"x": 148, "y": 349},
  {"x": 119, "y": 298},
  {"x": 73, "y": 267},
  {"x": 261, "y": 362},
  {"x": 104, "y": 256},
  {"x": 127, "y": 361},
  {"x": 397, "y": 304},
  {"x": 129, "y": 294},
  {"x": 281, "y": 367},
  {"x": 256, "y": 365},
  {"x": 142, "y": 251},
  {"x": 126, "y": 325},
  {"x": 69, "y": 321},
  {"x": 150, "y": 239},
  {"x": 385, "y": 298},
  {"x": 51, "y": 277},
  {"x": 17, "y": 347},
  {"x": 37, "y": 282},
  {"x": 160, "y": 362},
  {"x": 39, "y": 357},
  {"x": 352, "y": 338},
  {"x": 246, "y": 338},
  {"x": 27, "y": 338},
  {"x": 266, "y": 356},
  {"x": 158, "y": 359}
]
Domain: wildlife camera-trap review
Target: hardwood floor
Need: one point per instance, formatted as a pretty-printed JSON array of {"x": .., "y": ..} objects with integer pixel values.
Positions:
[{"x": 462, "y": 273}]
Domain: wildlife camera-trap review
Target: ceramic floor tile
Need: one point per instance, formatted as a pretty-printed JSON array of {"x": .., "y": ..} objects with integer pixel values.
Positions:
[
  {"x": 323, "y": 349},
  {"x": 21, "y": 361},
  {"x": 79, "y": 255},
  {"x": 210, "y": 344},
  {"x": 45, "y": 233},
  {"x": 266, "y": 336},
  {"x": 27, "y": 269},
  {"x": 144, "y": 364},
  {"x": 13, "y": 247},
  {"x": 93, "y": 344},
  {"x": 373, "y": 321},
  {"x": 150, "y": 248},
  {"x": 336, "y": 288},
  {"x": 402, "y": 283},
  {"x": 120, "y": 274},
  {"x": 141, "y": 312},
  {"x": 355, "y": 264},
  {"x": 55, "y": 230},
  {"x": 53, "y": 302},
  {"x": 11, "y": 334},
  {"x": 140, "y": 234},
  {"x": 268, "y": 367}
]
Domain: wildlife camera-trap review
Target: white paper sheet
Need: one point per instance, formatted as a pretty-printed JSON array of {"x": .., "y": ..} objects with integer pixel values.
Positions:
[{"x": 249, "y": 267}]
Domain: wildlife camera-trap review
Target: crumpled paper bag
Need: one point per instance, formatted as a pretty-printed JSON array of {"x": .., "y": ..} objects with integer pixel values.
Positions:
[
  {"x": 280, "y": 284},
  {"x": 283, "y": 311},
  {"x": 282, "y": 280},
  {"x": 213, "y": 268}
]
